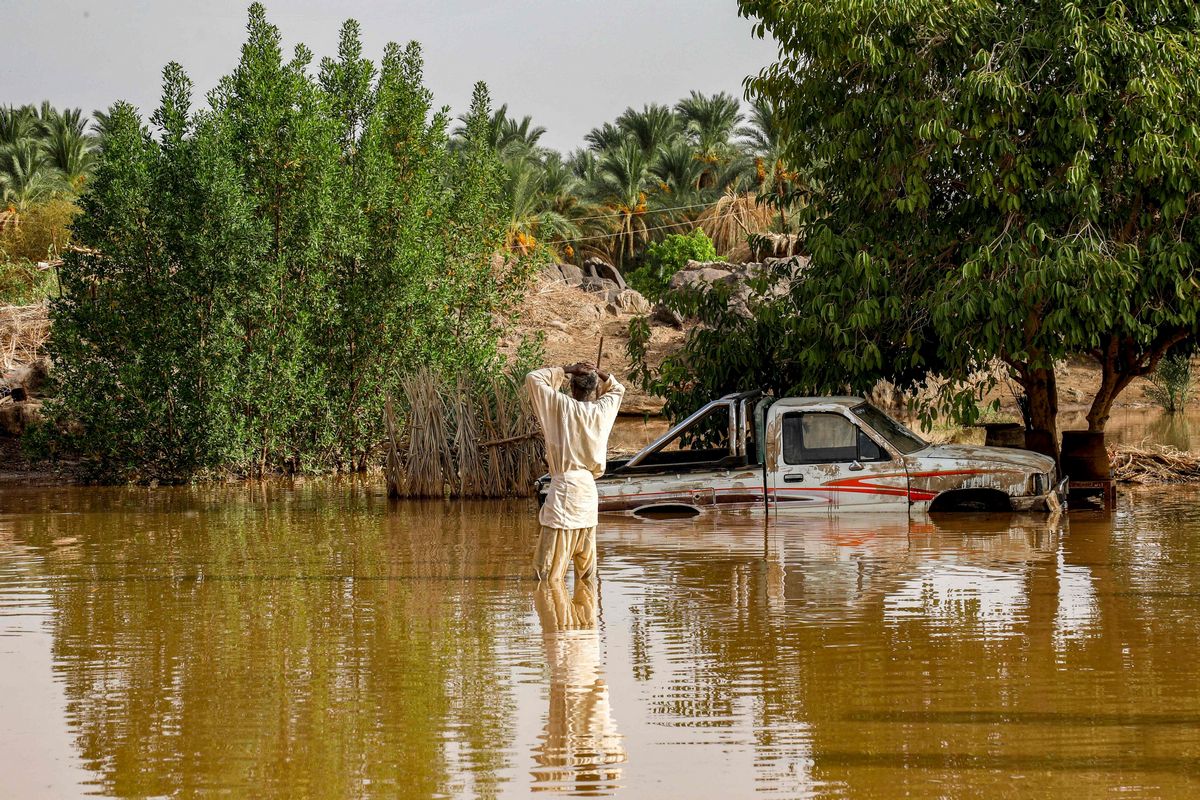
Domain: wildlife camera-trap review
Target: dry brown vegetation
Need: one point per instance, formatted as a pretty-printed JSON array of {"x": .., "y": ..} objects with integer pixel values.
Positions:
[
  {"x": 24, "y": 331},
  {"x": 462, "y": 439},
  {"x": 1154, "y": 464},
  {"x": 572, "y": 323}
]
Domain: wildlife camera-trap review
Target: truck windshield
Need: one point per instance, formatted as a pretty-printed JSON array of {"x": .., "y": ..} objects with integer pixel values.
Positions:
[{"x": 896, "y": 434}]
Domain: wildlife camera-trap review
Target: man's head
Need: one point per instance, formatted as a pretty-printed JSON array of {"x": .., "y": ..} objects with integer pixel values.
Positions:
[{"x": 583, "y": 384}]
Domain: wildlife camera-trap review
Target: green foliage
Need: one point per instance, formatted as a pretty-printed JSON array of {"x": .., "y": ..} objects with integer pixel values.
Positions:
[
  {"x": 23, "y": 282},
  {"x": 44, "y": 153},
  {"x": 1005, "y": 181},
  {"x": 664, "y": 258},
  {"x": 1171, "y": 383},
  {"x": 261, "y": 273}
]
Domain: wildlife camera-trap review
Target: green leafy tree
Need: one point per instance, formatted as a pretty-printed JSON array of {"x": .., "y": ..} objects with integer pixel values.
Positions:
[
  {"x": 1011, "y": 181},
  {"x": 260, "y": 274},
  {"x": 664, "y": 258}
]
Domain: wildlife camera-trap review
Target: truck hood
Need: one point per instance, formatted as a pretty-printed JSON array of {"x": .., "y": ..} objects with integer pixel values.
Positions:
[{"x": 1000, "y": 456}]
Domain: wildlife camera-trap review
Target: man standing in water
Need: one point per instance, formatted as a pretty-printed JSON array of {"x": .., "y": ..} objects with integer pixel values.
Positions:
[{"x": 576, "y": 429}]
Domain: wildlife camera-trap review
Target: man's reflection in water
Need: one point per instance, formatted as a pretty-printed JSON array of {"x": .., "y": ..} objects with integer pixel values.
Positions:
[{"x": 580, "y": 751}]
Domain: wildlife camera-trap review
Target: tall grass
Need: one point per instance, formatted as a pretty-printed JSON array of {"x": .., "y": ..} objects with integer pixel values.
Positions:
[
  {"x": 1171, "y": 385},
  {"x": 462, "y": 437}
]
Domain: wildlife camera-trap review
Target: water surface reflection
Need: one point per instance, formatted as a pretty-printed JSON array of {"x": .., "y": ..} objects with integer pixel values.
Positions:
[
  {"x": 580, "y": 750},
  {"x": 316, "y": 641}
]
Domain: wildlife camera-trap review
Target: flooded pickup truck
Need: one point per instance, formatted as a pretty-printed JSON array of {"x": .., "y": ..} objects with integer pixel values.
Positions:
[{"x": 817, "y": 454}]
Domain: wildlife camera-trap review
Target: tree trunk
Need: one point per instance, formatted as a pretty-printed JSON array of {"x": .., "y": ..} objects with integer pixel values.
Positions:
[
  {"x": 1041, "y": 388},
  {"x": 1121, "y": 361},
  {"x": 1112, "y": 382}
]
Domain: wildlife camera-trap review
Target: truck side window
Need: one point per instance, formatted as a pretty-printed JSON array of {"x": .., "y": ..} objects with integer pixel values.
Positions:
[
  {"x": 826, "y": 438},
  {"x": 868, "y": 450}
]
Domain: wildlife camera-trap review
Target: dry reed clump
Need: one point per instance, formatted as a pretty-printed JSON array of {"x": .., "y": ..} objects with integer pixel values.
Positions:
[
  {"x": 731, "y": 220},
  {"x": 1154, "y": 465},
  {"x": 462, "y": 438},
  {"x": 24, "y": 331}
]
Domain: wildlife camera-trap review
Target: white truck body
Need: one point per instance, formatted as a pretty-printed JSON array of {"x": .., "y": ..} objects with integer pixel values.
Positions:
[{"x": 818, "y": 455}]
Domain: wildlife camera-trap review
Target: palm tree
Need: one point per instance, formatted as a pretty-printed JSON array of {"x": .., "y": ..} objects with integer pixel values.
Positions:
[
  {"x": 653, "y": 127},
  {"x": 711, "y": 122},
  {"x": 26, "y": 176},
  {"x": 517, "y": 135},
  {"x": 607, "y": 137},
  {"x": 69, "y": 148},
  {"x": 778, "y": 184},
  {"x": 16, "y": 124},
  {"x": 533, "y": 218},
  {"x": 621, "y": 184},
  {"x": 508, "y": 136},
  {"x": 680, "y": 172}
]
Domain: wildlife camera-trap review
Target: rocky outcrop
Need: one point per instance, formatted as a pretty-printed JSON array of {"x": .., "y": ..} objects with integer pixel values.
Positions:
[
  {"x": 617, "y": 299},
  {"x": 599, "y": 268},
  {"x": 704, "y": 274},
  {"x": 30, "y": 377},
  {"x": 661, "y": 315},
  {"x": 16, "y": 417},
  {"x": 631, "y": 301},
  {"x": 594, "y": 269}
]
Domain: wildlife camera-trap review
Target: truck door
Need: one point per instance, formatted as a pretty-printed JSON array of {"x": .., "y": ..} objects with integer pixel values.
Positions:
[{"x": 825, "y": 461}]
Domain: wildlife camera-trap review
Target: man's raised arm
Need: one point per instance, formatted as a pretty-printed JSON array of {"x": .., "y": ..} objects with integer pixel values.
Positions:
[
  {"x": 611, "y": 393},
  {"x": 542, "y": 385}
]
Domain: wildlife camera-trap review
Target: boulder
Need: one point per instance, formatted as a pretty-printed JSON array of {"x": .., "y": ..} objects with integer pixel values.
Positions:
[
  {"x": 571, "y": 274},
  {"x": 702, "y": 275},
  {"x": 599, "y": 268},
  {"x": 631, "y": 301},
  {"x": 662, "y": 315},
  {"x": 39, "y": 374},
  {"x": 598, "y": 286},
  {"x": 697, "y": 273},
  {"x": 16, "y": 417}
]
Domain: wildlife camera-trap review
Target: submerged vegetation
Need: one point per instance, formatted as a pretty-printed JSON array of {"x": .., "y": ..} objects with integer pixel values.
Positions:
[
  {"x": 254, "y": 277},
  {"x": 464, "y": 436}
]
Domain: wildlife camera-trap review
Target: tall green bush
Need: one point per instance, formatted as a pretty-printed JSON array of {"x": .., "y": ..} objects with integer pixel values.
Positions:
[
  {"x": 259, "y": 275},
  {"x": 663, "y": 259}
]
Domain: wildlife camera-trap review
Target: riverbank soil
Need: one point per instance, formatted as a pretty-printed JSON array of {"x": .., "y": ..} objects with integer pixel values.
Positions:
[{"x": 572, "y": 322}]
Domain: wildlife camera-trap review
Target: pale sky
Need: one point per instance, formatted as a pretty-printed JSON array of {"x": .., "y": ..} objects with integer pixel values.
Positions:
[{"x": 572, "y": 64}]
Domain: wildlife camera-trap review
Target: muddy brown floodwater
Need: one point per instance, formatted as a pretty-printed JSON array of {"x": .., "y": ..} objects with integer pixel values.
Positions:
[{"x": 317, "y": 641}]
